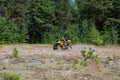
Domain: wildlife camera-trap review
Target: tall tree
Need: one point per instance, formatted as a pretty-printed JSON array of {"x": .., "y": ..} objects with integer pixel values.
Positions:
[
  {"x": 63, "y": 9},
  {"x": 15, "y": 12},
  {"x": 99, "y": 12},
  {"x": 41, "y": 19}
]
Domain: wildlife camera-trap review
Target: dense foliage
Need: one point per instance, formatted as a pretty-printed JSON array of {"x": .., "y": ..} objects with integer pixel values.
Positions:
[{"x": 45, "y": 21}]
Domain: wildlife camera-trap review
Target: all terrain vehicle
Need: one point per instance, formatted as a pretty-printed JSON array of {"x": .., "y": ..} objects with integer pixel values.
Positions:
[{"x": 62, "y": 44}]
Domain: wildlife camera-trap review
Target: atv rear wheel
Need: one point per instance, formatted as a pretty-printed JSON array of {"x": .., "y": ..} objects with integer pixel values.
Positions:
[{"x": 59, "y": 47}]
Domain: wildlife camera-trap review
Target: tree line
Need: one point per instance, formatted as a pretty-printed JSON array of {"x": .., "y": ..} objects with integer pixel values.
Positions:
[{"x": 44, "y": 21}]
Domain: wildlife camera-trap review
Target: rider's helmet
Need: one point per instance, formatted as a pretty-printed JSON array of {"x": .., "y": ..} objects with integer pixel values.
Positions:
[
  {"x": 68, "y": 41},
  {"x": 60, "y": 42}
]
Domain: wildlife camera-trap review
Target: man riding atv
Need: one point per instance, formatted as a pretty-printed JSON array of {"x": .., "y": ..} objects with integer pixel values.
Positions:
[{"x": 62, "y": 44}]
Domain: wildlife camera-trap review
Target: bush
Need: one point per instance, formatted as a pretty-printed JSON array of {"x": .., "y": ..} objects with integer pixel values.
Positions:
[
  {"x": 94, "y": 36},
  {"x": 83, "y": 63},
  {"x": 89, "y": 33},
  {"x": 88, "y": 55},
  {"x": 71, "y": 33},
  {"x": 8, "y": 76},
  {"x": 110, "y": 33},
  {"x": 10, "y": 32},
  {"x": 84, "y": 29},
  {"x": 110, "y": 36},
  {"x": 15, "y": 53}
]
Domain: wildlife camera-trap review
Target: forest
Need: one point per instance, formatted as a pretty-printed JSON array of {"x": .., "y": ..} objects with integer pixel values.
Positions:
[{"x": 44, "y": 21}]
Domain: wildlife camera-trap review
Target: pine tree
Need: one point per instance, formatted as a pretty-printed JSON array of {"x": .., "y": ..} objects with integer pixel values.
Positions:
[
  {"x": 14, "y": 16},
  {"x": 63, "y": 9},
  {"x": 41, "y": 19}
]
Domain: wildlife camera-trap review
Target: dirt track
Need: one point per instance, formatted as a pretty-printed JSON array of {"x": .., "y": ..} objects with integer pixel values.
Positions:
[{"x": 41, "y": 62}]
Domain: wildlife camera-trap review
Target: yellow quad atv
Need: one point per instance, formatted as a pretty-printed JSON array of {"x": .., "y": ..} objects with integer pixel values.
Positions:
[{"x": 62, "y": 45}]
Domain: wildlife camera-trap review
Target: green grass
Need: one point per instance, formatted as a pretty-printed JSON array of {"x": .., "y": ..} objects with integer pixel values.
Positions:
[{"x": 10, "y": 76}]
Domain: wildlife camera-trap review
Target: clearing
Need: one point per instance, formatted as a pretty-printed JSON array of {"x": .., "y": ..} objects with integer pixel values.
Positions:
[{"x": 41, "y": 62}]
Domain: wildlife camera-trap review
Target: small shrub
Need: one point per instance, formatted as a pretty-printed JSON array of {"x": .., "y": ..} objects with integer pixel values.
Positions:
[
  {"x": 10, "y": 56},
  {"x": 112, "y": 58},
  {"x": 8, "y": 76},
  {"x": 95, "y": 58},
  {"x": 115, "y": 57},
  {"x": 15, "y": 53},
  {"x": 83, "y": 63},
  {"x": 58, "y": 63},
  {"x": 106, "y": 61},
  {"x": 75, "y": 61},
  {"x": 89, "y": 55}
]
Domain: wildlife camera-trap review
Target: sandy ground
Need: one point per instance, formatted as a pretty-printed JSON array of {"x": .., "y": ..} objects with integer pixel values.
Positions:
[{"x": 41, "y": 62}]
